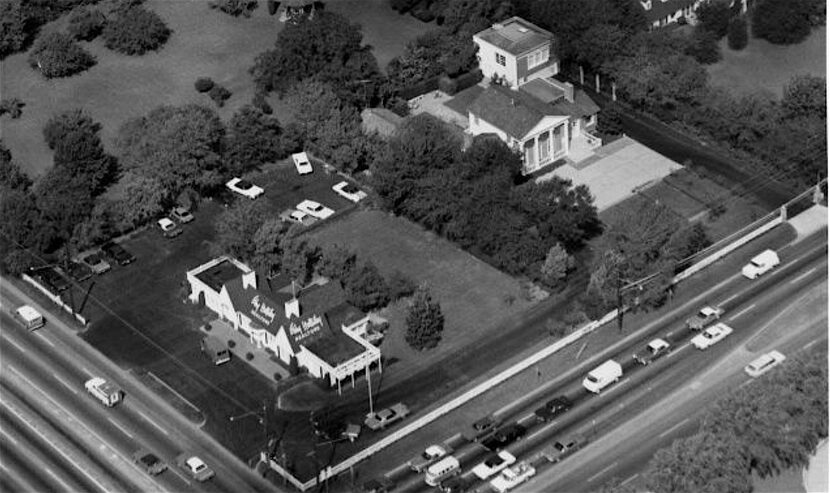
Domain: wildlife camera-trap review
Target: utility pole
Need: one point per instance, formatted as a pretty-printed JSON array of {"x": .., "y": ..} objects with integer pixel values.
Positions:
[{"x": 619, "y": 304}]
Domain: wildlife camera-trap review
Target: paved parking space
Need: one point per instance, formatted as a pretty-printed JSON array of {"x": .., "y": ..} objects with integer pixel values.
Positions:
[{"x": 285, "y": 188}]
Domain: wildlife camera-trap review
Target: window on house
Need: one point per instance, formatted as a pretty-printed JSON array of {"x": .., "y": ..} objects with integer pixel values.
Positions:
[
  {"x": 500, "y": 59},
  {"x": 538, "y": 57}
]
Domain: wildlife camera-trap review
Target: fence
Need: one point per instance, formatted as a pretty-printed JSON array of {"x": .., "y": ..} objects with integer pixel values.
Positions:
[{"x": 55, "y": 298}]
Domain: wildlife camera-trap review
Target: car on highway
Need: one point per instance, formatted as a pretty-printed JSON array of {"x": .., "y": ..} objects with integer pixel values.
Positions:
[
  {"x": 513, "y": 476},
  {"x": 302, "y": 163},
  {"x": 149, "y": 462},
  {"x": 182, "y": 214},
  {"x": 761, "y": 264},
  {"x": 562, "y": 448},
  {"x": 704, "y": 318},
  {"x": 457, "y": 484},
  {"x": 764, "y": 363},
  {"x": 169, "y": 229},
  {"x": 315, "y": 209},
  {"x": 652, "y": 351},
  {"x": 379, "y": 485},
  {"x": 483, "y": 427},
  {"x": 195, "y": 467},
  {"x": 349, "y": 191},
  {"x": 385, "y": 417},
  {"x": 244, "y": 188},
  {"x": 504, "y": 436},
  {"x": 493, "y": 464},
  {"x": 711, "y": 336},
  {"x": 297, "y": 217},
  {"x": 78, "y": 271},
  {"x": 117, "y": 253},
  {"x": 553, "y": 408},
  {"x": 95, "y": 261},
  {"x": 432, "y": 454}
]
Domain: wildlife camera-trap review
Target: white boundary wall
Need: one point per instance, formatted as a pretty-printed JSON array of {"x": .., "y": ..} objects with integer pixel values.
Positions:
[{"x": 56, "y": 299}]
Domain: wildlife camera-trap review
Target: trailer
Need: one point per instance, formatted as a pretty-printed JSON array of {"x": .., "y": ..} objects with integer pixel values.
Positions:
[
  {"x": 29, "y": 317},
  {"x": 107, "y": 392},
  {"x": 216, "y": 350}
]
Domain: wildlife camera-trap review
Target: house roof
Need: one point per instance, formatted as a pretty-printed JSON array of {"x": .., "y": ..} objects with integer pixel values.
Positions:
[
  {"x": 380, "y": 120},
  {"x": 513, "y": 112},
  {"x": 515, "y": 35},
  {"x": 662, "y": 9},
  {"x": 333, "y": 346},
  {"x": 218, "y": 275},
  {"x": 581, "y": 106}
]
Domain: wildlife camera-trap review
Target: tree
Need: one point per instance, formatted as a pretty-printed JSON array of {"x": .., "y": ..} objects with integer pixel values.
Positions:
[
  {"x": 12, "y": 27},
  {"x": 703, "y": 46},
  {"x": 21, "y": 226},
  {"x": 253, "y": 139},
  {"x": 178, "y": 145},
  {"x": 12, "y": 106},
  {"x": 472, "y": 16},
  {"x": 702, "y": 463},
  {"x": 11, "y": 176},
  {"x": 433, "y": 53},
  {"x": 64, "y": 199},
  {"x": 299, "y": 259},
  {"x": 60, "y": 125},
  {"x": 235, "y": 7},
  {"x": 557, "y": 264},
  {"x": 74, "y": 137},
  {"x": 651, "y": 80},
  {"x": 135, "y": 31},
  {"x": 268, "y": 246},
  {"x": 58, "y": 55},
  {"x": 365, "y": 287},
  {"x": 86, "y": 24},
  {"x": 236, "y": 227},
  {"x": 204, "y": 84},
  {"x": 600, "y": 44},
  {"x": 738, "y": 34},
  {"x": 782, "y": 22},
  {"x": 805, "y": 95},
  {"x": 714, "y": 17},
  {"x": 144, "y": 199},
  {"x": 336, "y": 262},
  {"x": 424, "y": 321},
  {"x": 219, "y": 94}
]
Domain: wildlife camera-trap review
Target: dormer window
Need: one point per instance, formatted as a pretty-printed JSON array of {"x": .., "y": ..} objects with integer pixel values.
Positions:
[{"x": 500, "y": 59}]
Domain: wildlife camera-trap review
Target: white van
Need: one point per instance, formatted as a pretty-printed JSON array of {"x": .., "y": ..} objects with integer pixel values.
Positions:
[
  {"x": 602, "y": 376},
  {"x": 761, "y": 263},
  {"x": 29, "y": 317},
  {"x": 441, "y": 470}
]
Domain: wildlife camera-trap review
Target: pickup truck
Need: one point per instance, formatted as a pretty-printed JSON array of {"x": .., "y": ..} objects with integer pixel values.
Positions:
[
  {"x": 512, "y": 477},
  {"x": 381, "y": 419},
  {"x": 704, "y": 318}
]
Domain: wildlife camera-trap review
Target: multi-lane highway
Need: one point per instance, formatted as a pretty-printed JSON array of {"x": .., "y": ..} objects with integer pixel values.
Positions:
[{"x": 56, "y": 437}]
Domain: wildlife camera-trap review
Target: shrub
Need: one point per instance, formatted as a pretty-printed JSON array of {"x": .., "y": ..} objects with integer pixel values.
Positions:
[
  {"x": 219, "y": 95},
  {"x": 738, "y": 36},
  {"x": 232, "y": 343},
  {"x": 447, "y": 85},
  {"x": 58, "y": 55},
  {"x": 249, "y": 356},
  {"x": 207, "y": 327},
  {"x": 261, "y": 104},
  {"x": 273, "y": 6},
  {"x": 277, "y": 376},
  {"x": 86, "y": 24},
  {"x": 204, "y": 84},
  {"x": 13, "y": 106},
  {"x": 782, "y": 21},
  {"x": 135, "y": 31},
  {"x": 424, "y": 321},
  {"x": 235, "y": 7},
  {"x": 468, "y": 79},
  {"x": 293, "y": 367}
]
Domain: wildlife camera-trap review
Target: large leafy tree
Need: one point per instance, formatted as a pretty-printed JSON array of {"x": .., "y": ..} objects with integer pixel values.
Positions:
[
  {"x": 472, "y": 16},
  {"x": 12, "y": 27},
  {"x": 135, "y": 30},
  {"x": 178, "y": 145},
  {"x": 805, "y": 95},
  {"x": 11, "y": 176},
  {"x": 268, "y": 245},
  {"x": 74, "y": 137},
  {"x": 424, "y": 321},
  {"x": 64, "y": 199},
  {"x": 782, "y": 22},
  {"x": 58, "y": 55},
  {"x": 236, "y": 228},
  {"x": 253, "y": 139},
  {"x": 365, "y": 287},
  {"x": 144, "y": 198},
  {"x": 436, "y": 52},
  {"x": 714, "y": 17}
]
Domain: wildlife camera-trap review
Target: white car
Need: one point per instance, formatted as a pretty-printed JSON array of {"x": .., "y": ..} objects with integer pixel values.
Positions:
[
  {"x": 760, "y": 264},
  {"x": 182, "y": 214},
  {"x": 349, "y": 191},
  {"x": 711, "y": 336},
  {"x": 169, "y": 228},
  {"x": 244, "y": 187},
  {"x": 196, "y": 467},
  {"x": 428, "y": 457},
  {"x": 297, "y": 217},
  {"x": 302, "y": 163},
  {"x": 493, "y": 464},
  {"x": 513, "y": 476},
  {"x": 764, "y": 363},
  {"x": 315, "y": 209}
]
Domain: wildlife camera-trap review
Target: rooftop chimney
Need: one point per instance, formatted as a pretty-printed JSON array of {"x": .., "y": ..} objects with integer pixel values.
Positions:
[
  {"x": 292, "y": 308},
  {"x": 249, "y": 280},
  {"x": 569, "y": 91}
]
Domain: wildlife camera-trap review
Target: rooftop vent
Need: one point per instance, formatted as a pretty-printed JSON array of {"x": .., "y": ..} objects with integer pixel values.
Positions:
[{"x": 523, "y": 29}]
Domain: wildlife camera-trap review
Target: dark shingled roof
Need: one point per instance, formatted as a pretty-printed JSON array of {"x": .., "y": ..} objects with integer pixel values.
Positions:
[
  {"x": 515, "y": 35},
  {"x": 216, "y": 276},
  {"x": 581, "y": 106},
  {"x": 514, "y": 112}
]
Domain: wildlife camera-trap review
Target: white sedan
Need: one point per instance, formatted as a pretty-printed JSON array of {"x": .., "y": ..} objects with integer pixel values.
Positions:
[
  {"x": 302, "y": 163},
  {"x": 244, "y": 187},
  {"x": 764, "y": 363},
  {"x": 297, "y": 217},
  {"x": 493, "y": 464},
  {"x": 315, "y": 209},
  {"x": 349, "y": 191},
  {"x": 711, "y": 336}
]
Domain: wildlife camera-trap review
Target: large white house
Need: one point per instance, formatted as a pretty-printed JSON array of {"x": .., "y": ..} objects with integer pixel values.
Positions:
[
  {"x": 316, "y": 325},
  {"x": 543, "y": 118}
]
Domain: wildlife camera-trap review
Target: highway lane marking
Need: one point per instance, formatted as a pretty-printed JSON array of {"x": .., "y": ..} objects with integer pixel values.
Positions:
[
  {"x": 681, "y": 348},
  {"x": 807, "y": 346},
  {"x": 595, "y": 476},
  {"x": 630, "y": 479},
  {"x": 802, "y": 276},
  {"x": 89, "y": 373},
  {"x": 674, "y": 428},
  {"x": 727, "y": 300},
  {"x": 543, "y": 429},
  {"x": 750, "y": 307},
  {"x": 180, "y": 475},
  {"x": 43, "y": 337},
  {"x": 16, "y": 345},
  {"x": 120, "y": 427},
  {"x": 9, "y": 437},
  {"x": 56, "y": 478},
  {"x": 65, "y": 384},
  {"x": 147, "y": 419}
]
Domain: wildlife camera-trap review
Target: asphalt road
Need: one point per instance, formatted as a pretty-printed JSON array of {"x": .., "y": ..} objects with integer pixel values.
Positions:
[
  {"x": 46, "y": 369},
  {"x": 748, "y": 304}
]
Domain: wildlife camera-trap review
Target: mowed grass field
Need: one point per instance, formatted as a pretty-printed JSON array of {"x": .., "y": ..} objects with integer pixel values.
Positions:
[
  {"x": 204, "y": 43},
  {"x": 765, "y": 66}
]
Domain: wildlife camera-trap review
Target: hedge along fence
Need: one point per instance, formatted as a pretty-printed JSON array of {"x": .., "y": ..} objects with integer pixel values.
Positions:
[{"x": 449, "y": 85}]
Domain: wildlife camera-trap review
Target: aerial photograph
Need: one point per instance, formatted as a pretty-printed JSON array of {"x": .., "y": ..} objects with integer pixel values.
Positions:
[{"x": 413, "y": 246}]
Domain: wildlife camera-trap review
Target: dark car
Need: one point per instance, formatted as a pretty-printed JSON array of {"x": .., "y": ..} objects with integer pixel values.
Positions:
[
  {"x": 553, "y": 408},
  {"x": 484, "y": 427},
  {"x": 79, "y": 271},
  {"x": 148, "y": 461},
  {"x": 504, "y": 436},
  {"x": 652, "y": 351},
  {"x": 117, "y": 253},
  {"x": 563, "y": 448},
  {"x": 381, "y": 485},
  {"x": 54, "y": 279},
  {"x": 457, "y": 484}
]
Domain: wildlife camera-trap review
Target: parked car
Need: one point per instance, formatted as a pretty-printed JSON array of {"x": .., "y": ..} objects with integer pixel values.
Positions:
[
  {"x": 245, "y": 188},
  {"x": 148, "y": 461},
  {"x": 760, "y": 264},
  {"x": 302, "y": 163},
  {"x": 349, "y": 191},
  {"x": 182, "y": 215},
  {"x": 95, "y": 261},
  {"x": 513, "y": 476},
  {"x": 78, "y": 271},
  {"x": 195, "y": 467},
  {"x": 117, "y": 253},
  {"x": 315, "y": 209},
  {"x": 704, "y": 318},
  {"x": 53, "y": 278},
  {"x": 385, "y": 417},
  {"x": 553, "y": 408},
  {"x": 297, "y": 217},
  {"x": 428, "y": 456},
  {"x": 168, "y": 228},
  {"x": 764, "y": 363},
  {"x": 493, "y": 464},
  {"x": 504, "y": 436},
  {"x": 652, "y": 351},
  {"x": 711, "y": 336}
]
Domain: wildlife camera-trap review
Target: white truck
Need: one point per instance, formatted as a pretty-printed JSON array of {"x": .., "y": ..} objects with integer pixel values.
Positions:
[
  {"x": 512, "y": 477},
  {"x": 761, "y": 263},
  {"x": 29, "y": 317},
  {"x": 107, "y": 392},
  {"x": 602, "y": 376}
]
